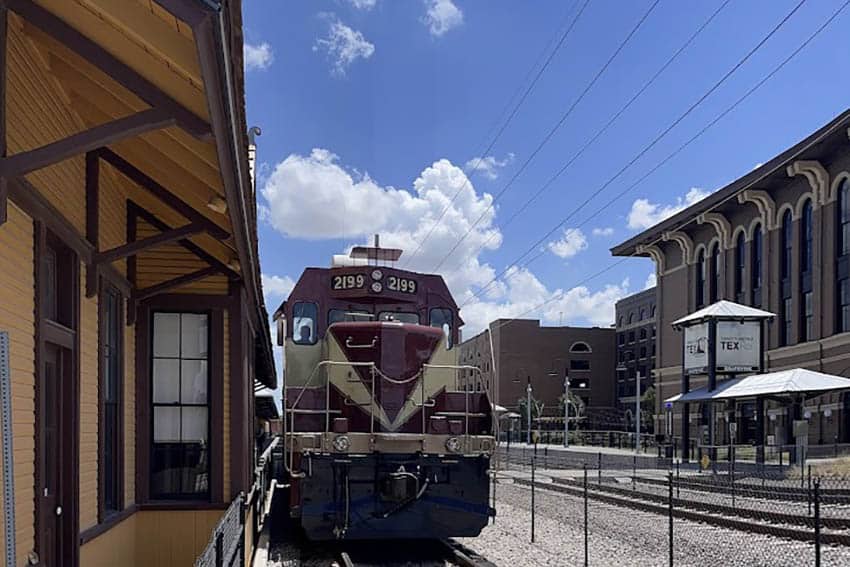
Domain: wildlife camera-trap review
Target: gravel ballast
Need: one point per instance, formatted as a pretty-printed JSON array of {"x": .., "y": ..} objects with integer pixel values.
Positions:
[{"x": 621, "y": 536}]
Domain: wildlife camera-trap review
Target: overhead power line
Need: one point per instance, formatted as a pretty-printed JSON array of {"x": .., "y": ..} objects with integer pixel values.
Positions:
[
  {"x": 504, "y": 126},
  {"x": 684, "y": 223},
  {"x": 551, "y": 132},
  {"x": 601, "y": 131},
  {"x": 653, "y": 143}
]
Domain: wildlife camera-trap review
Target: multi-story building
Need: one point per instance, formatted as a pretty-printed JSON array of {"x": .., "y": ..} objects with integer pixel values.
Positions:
[
  {"x": 778, "y": 238},
  {"x": 527, "y": 352},
  {"x": 636, "y": 330},
  {"x": 129, "y": 282}
]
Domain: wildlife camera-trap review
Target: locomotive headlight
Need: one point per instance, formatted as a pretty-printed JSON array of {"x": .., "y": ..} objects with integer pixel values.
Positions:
[
  {"x": 377, "y": 275},
  {"x": 377, "y": 287},
  {"x": 453, "y": 445},
  {"x": 341, "y": 443}
]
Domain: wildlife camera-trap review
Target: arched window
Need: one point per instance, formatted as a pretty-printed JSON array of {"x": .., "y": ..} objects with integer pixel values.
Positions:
[
  {"x": 631, "y": 318},
  {"x": 642, "y": 314},
  {"x": 842, "y": 267},
  {"x": 806, "y": 308},
  {"x": 620, "y": 322},
  {"x": 740, "y": 258},
  {"x": 714, "y": 283},
  {"x": 652, "y": 312},
  {"x": 700, "y": 280},
  {"x": 755, "y": 266},
  {"x": 580, "y": 346},
  {"x": 786, "y": 247}
]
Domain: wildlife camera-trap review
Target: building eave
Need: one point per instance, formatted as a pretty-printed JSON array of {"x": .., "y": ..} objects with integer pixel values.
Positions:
[{"x": 774, "y": 167}]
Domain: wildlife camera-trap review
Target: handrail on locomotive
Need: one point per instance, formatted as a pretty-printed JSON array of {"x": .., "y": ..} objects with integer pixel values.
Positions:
[{"x": 289, "y": 432}]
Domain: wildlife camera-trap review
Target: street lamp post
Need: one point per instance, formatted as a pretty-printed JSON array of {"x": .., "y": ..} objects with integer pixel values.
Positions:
[
  {"x": 528, "y": 410},
  {"x": 637, "y": 411},
  {"x": 566, "y": 410}
]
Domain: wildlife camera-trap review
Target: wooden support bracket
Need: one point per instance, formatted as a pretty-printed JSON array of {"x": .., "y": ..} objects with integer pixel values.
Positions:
[
  {"x": 147, "y": 292},
  {"x": 133, "y": 248},
  {"x": 144, "y": 180}
]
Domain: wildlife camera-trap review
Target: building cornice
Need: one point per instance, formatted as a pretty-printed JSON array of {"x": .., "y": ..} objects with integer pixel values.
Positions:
[
  {"x": 685, "y": 243},
  {"x": 763, "y": 202},
  {"x": 817, "y": 176},
  {"x": 721, "y": 224}
]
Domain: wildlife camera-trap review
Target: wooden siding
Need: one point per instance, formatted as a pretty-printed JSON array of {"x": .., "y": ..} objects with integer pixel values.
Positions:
[
  {"x": 173, "y": 538},
  {"x": 17, "y": 317},
  {"x": 165, "y": 262},
  {"x": 161, "y": 538}
]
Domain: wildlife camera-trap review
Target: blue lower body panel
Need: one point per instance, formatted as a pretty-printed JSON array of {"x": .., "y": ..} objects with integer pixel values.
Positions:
[{"x": 399, "y": 496}]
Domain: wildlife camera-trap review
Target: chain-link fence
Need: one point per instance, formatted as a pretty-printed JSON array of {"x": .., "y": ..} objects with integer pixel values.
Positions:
[{"x": 762, "y": 514}]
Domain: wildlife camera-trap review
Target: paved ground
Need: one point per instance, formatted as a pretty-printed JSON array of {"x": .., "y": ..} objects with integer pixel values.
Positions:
[{"x": 619, "y": 536}]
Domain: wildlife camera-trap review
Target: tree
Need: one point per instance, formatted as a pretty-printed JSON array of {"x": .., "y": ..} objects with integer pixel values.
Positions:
[
  {"x": 647, "y": 406},
  {"x": 536, "y": 411},
  {"x": 576, "y": 407}
]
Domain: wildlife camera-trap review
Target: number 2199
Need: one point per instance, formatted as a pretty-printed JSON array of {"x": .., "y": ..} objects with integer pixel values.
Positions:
[
  {"x": 403, "y": 285},
  {"x": 350, "y": 281}
]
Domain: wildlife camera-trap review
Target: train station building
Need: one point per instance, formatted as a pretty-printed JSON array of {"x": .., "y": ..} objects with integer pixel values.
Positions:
[
  {"x": 777, "y": 239},
  {"x": 132, "y": 324}
]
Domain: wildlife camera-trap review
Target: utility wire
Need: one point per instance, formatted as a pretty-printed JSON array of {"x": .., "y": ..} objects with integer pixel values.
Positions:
[
  {"x": 600, "y": 132},
  {"x": 654, "y": 142},
  {"x": 551, "y": 132},
  {"x": 511, "y": 116},
  {"x": 684, "y": 223}
]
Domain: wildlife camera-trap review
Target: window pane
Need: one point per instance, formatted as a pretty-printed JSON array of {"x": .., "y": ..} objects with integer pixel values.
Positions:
[
  {"x": 166, "y": 425},
  {"x": 193, "y": 335},
  {"x": 166, "y": 381},
  {"x": 193, "y": 382},
  {"x": 166, "y": 334},
  {"x": 442, "y": 318},
  {"x": 304, "y": 317},
  {"x": 194, "y": 425}
]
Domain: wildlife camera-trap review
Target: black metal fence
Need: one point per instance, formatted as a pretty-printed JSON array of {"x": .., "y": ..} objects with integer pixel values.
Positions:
[
  {"x": 226, "y": 547},
  {"x": 771, "y": 515}
]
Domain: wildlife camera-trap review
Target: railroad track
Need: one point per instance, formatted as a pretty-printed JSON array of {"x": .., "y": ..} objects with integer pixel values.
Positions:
[
  {"x": 781, "y": 525},
  {"x": 378, "y": 553},
  {"x": 424, "y": 553}
]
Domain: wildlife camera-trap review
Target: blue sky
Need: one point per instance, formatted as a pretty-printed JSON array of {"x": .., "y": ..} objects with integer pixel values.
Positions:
[{"x": 374, "y": 111}]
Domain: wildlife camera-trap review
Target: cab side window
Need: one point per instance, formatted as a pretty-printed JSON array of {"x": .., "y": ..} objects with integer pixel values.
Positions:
[
  {"x": 304, "y": 317},
  {"x": 442, "y": 319}
]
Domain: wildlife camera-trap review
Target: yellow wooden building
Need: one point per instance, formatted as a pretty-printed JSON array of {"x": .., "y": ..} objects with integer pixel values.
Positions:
[{"x": 129, "y": 277}]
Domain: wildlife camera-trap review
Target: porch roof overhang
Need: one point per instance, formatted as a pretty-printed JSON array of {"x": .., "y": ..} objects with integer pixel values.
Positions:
[
  {"x": 785, "y": 383},
  {"x": 159, "y": 86}
]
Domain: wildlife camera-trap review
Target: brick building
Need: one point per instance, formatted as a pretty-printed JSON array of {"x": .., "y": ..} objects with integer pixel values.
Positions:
[
  {"x": 525, "y": 350},
  {"x": 636, "y": 330},
  {"x": 778, "y": 239}
]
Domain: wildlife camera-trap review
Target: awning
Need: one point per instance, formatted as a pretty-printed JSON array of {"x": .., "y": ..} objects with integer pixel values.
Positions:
[
  {"x": 785, "y": 382},
  {"x": 499, "y": 409},
  {"x": 724, "y": 310}
]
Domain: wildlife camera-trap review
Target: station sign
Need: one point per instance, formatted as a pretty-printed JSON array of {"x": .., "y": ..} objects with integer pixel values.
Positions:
[{"x": 738, "y": 347}]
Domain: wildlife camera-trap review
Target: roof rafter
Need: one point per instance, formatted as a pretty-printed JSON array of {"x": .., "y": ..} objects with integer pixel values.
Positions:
[{"x": 109, "y": 64}]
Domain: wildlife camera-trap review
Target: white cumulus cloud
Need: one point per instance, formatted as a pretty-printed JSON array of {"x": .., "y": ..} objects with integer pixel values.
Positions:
[
  {"x": 258, "y": 56},
  {"x": 651, "y": 281},
  {"x": 363, "y": 4},
  {"x": 572, "y": 242},
  {"x": 316, "y": 197},
  {"x": 603, "y": 231},
  {"x": 441, "y": 16},
  {"x": 276, "y": 289},
  {"x": 524, "y": 294},
  {"x": 645, "y": 214},
  {"x": 343, "y": 46},
  {"x": 488, "y": 166}
]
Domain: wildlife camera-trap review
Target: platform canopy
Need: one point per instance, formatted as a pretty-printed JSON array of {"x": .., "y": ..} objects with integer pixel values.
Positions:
[
  {"x": 782, "y": 383},
  {"x": 723, "y": 309}
]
